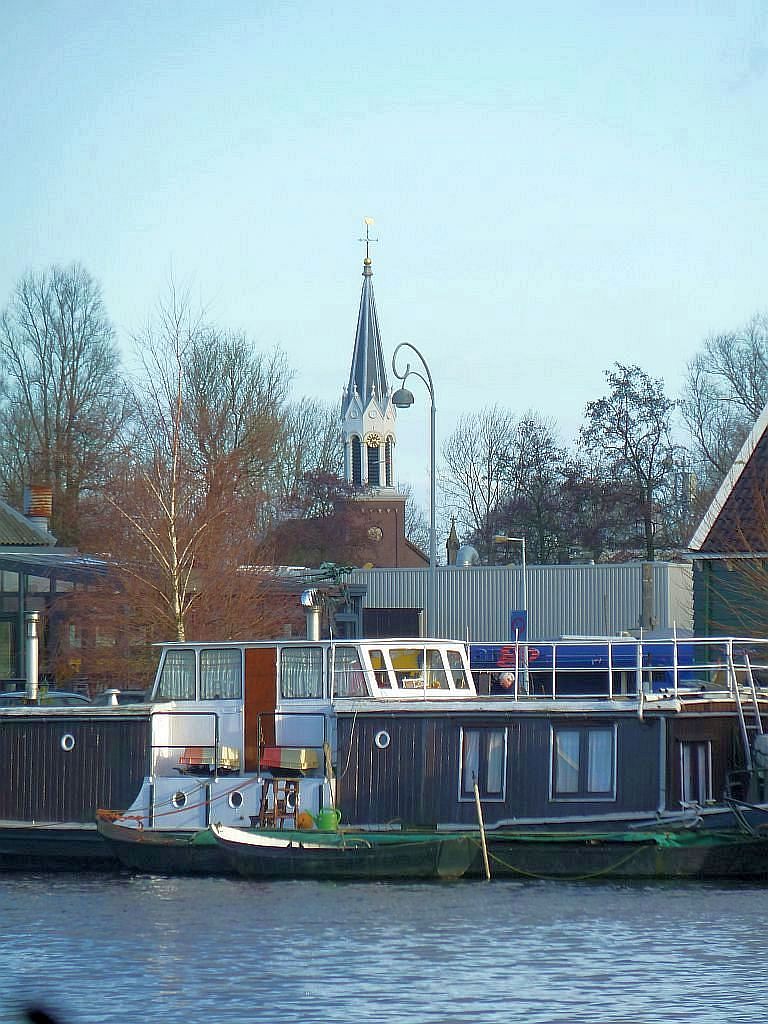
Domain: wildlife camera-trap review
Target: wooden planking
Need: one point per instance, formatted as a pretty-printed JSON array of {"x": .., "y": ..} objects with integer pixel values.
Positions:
[{"x": 44, "y": 782}]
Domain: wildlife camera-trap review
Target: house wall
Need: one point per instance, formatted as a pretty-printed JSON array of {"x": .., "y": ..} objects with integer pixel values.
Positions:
[
  {"x": 730, "y": 597},
  {"x": 415, "y": 780},
  {"x": 43, "y": 782}
]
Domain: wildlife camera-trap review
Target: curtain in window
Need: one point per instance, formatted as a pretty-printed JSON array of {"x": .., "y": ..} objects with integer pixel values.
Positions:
[
  {"x": 220, "y": 675},
  {"x": 177, "y": 681},
  {"x": 470, "y": 764},
  {"x": 348, "y": 677},
  {"x": 496, "y": 765},
  {"x": 600, "y": 761},
  {"x": 567, "y": 761},
  {"x": 301, "y": 672}
]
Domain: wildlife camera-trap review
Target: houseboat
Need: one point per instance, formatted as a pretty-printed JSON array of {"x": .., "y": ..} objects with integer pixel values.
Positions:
[{"x": 420, "y": 733}]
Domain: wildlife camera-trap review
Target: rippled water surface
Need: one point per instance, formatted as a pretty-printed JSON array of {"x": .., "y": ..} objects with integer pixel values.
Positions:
[{"x": 103, "y": 948}]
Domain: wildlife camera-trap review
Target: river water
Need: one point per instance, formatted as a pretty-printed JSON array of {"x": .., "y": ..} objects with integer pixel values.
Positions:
[{"x": 119, "y": 948}]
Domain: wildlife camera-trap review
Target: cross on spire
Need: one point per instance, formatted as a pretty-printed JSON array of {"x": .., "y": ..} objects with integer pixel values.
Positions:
[{"x": 368, "y": 221}]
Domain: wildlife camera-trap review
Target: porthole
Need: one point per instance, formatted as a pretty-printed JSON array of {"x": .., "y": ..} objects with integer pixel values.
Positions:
[
  {"x": 67, "y": 741},
  {"x": 382, "y": 739},
  {"x": 235, "y": 800},
  {"x": 179, "y": 799}
]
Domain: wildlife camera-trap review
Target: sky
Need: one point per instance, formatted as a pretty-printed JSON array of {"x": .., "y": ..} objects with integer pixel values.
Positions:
[{"x": 555, "y": 186}]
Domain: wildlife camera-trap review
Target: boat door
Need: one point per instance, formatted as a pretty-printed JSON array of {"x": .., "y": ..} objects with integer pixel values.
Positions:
[{"x": 260, "y": 702}]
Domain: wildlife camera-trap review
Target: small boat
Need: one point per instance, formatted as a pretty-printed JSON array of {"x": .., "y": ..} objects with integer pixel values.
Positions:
[
  {"x": 657, "y": 854},
  {"x": 163, "y": 851},
  {"x": 341, "y": 855}
]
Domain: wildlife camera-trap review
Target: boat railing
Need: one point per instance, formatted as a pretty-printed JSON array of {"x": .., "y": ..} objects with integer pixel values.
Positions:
[
  {"x": 631, "y": 669},
  {"x": 197, "y": 752},
  {"x": 307, "y": 735}
]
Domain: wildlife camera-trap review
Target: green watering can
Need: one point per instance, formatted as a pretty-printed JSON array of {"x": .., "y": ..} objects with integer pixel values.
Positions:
[{"x": 327, "y": 819}]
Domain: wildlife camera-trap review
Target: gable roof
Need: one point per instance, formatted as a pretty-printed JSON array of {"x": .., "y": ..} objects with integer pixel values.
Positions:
[
  {"x": 737, "y": 518},
  {"x": 17, "y": 531}
]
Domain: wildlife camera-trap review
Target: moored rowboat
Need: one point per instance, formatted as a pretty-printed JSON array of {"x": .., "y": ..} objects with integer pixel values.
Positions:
[{"x": 366, "y": 856}]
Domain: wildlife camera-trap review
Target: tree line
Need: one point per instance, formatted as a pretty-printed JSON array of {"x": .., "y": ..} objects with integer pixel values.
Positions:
[
  {"x": 192, "y": 466},
  {"x": 640, "y": 475}
]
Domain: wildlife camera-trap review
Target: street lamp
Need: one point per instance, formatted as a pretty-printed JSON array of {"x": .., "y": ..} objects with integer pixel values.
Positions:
[{"x": 403, "y": 399}]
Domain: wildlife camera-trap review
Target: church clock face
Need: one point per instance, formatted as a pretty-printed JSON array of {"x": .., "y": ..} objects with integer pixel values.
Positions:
[
  {"x": 372, "y": 440},
  {"x": 375, "y": 533}
]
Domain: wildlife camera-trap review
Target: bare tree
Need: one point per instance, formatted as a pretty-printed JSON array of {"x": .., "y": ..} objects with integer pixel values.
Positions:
[
  {"x": 724, "y": 393},
  {"x": 64, "y": 401},
  {"x": 308, "y": 446},
  {"x": 629, "y": 432},
  {"x": 185, "y": 495},
  {"x": 477, "y": 471}
]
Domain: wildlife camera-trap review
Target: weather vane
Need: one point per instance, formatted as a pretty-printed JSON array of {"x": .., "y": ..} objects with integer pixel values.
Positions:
[{"x": 368, "y": 221}]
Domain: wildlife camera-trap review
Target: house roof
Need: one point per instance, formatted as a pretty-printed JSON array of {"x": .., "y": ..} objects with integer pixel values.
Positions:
[
  {"x": 17, "y": 531},
  {"x": 55, "y": 563},
  {"x": 737, "y": 518}
]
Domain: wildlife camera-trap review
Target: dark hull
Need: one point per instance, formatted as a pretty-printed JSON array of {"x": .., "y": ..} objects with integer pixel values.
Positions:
[
  {"x": 371, "y": 860},
  {"x": 692, "y": 855},
  {"x": 165, "y": 853},
  {"x": 53, "y": 847}
]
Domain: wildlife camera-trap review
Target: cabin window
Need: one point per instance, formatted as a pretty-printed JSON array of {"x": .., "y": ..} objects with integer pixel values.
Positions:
[
  {"x": 695, "y": 771},
  {"x": 437, "y": 677},
  {"x": 456, "y": 668},
  {"x": 483, "y": 761},
  {"x": 177, "y": 678},
  {"x": 301, "y": 673},
  {"x": 348, "y": 676},
  {"x": 407, "y": 663},
  {"x": 583, "y": 763},
  {"x": 221, "y": 675},
  {"x": 380, "y": 671}
]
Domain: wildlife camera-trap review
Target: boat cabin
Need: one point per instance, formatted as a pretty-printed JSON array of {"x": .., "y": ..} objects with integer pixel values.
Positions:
[{"x": 416, "y": 731}]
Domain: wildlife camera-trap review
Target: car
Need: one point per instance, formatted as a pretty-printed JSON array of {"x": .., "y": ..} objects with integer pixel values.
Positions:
[
  {"x": 110, "y": 698},
  {"x": 46, "y": 698}
]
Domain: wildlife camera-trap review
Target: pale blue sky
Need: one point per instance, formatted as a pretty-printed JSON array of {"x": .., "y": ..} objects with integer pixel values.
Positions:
[{"x": 555, "y": 186}]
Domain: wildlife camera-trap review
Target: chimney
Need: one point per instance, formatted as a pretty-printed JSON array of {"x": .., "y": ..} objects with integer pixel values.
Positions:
[{"x": 38, "y": 505}]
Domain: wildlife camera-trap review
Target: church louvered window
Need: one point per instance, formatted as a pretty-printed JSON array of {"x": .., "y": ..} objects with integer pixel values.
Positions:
[
  {"x": 374, "y": 467},
  {"x": 388, "y": 462},
  {"x": 357, "y": 462}
]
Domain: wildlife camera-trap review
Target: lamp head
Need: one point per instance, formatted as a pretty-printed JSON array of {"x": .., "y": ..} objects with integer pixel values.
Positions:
[{"x": 402, "y": 398}]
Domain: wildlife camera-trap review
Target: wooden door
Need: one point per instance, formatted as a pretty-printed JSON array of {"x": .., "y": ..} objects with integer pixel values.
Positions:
[{"x": 260, "y": 701}]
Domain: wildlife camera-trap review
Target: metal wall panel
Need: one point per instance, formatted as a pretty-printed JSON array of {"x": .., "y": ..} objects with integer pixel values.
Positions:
[
  {"x": 41, "y": 781},
  {"x": 474, "y": 603}
]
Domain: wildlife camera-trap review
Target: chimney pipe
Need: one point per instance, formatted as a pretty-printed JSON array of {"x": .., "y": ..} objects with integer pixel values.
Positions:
[
  {"x": 32, "y": 619},
  {"x": 310, "y": 602}
]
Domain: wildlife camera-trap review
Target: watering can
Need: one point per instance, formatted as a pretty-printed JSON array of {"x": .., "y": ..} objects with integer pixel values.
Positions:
[{"x": 327, "y": 819}]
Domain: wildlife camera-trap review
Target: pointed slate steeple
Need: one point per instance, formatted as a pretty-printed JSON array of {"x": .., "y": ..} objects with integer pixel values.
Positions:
[
  {"x": 367, "y": 414},
  {"x": 368, "y": 375}
]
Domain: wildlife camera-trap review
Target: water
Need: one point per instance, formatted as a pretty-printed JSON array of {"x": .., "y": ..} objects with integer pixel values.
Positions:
[{"x": 116, "y": 948}]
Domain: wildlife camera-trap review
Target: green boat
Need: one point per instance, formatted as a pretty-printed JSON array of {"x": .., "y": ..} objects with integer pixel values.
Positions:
[
  {"x": 693, "y": 854},
  {"x": 289, "y": 853},
  {"x": 369, "y": 856}
]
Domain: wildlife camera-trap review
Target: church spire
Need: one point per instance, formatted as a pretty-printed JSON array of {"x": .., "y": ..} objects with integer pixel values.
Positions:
[
  {"x": 368, "y": 374},
  {"x": 367, "y": 414}
]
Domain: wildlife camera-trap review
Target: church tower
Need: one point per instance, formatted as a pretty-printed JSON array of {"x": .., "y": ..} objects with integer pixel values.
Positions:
[{"x": 367, "y": 413}]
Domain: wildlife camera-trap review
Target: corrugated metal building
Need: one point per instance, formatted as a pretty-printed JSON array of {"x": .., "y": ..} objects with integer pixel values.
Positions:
[{"x": 474, "y": 602}]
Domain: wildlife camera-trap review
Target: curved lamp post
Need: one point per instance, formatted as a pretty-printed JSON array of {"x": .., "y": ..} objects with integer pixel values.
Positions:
[{"x": 403, "y": 399}]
